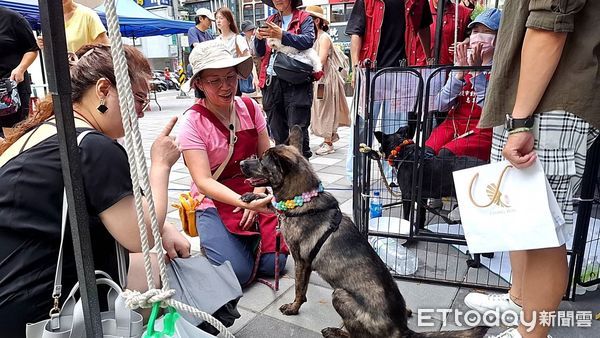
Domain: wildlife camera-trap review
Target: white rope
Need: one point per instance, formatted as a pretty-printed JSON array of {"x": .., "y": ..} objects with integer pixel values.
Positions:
[{"x": 139, "y": 171}]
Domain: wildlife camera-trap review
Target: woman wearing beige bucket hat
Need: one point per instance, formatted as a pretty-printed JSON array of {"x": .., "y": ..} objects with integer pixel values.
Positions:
[
  {"x": 229, "y": 228},
  {"x": 329, "y": 106}
]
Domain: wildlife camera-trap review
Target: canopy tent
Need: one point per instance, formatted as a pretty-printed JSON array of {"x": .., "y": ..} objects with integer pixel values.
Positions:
[{"x": 134, "y": 20}]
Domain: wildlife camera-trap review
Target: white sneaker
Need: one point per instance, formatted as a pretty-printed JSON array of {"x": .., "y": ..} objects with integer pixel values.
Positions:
[
  {"x": 511, "y": 333},
  {"x": 491, "y": 302},
  {"x": 325, "y": 149}
]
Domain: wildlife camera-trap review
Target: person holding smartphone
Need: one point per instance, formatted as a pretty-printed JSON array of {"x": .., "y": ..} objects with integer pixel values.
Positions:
[{"x": 286, "y": 104}]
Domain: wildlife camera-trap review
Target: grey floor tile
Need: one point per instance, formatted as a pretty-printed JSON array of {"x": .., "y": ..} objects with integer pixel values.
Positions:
[
  {"x": 317, "y": 280},
  {"x": 346, "y": 207},
  {"x": 259, "y": 296},
  {"x": 333, "y": 169},
  {"x": 328, "y": 178},
  {"x": 425, "y": 325},
  {"x": 268, "y": 327},
  {"x": 427, "y": 296},
  {"x": 316, "y": 314},
  {"x": 241, "y": 322}
]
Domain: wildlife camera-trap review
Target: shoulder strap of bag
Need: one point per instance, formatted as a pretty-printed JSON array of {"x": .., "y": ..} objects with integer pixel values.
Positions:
[
  {"x": 32, "y": 138},
  {"x": 57, "y": 290}
]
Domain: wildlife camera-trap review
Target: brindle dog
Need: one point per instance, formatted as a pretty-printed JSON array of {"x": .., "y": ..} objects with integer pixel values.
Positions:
[{"x": 321, "y": 239}]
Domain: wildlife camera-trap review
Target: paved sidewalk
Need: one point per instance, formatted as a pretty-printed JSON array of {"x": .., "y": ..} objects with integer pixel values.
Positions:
[{"x": 259, "y": 306}]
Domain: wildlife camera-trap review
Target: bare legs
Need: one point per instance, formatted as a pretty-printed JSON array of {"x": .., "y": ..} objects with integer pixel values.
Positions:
[{"x": 539, "y": 284}]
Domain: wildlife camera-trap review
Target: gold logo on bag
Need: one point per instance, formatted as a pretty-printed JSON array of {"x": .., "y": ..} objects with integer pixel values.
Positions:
[{"x": 492, "y": 191}]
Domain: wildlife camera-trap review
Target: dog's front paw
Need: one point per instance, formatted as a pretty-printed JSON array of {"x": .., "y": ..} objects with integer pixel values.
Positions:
[
  {"x": 249, "y": 197},
  {"x": 289, "y": 309},
  {"x": 334, "y": 332}
]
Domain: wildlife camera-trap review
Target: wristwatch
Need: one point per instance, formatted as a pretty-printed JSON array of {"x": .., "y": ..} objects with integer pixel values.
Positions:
[{"x": 512, "y": 123}]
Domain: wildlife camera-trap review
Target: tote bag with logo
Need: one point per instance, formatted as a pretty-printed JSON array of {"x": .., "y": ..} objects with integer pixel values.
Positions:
[{"x": 506, "y": 209}]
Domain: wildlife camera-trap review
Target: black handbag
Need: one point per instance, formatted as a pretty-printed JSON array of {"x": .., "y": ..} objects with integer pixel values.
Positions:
[
  {"x": 292, "y": 70},
  {"x": 9, "y": 97}
]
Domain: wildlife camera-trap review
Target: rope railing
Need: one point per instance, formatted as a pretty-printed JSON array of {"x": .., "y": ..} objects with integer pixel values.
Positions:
[{"x": 139, "y": 173}]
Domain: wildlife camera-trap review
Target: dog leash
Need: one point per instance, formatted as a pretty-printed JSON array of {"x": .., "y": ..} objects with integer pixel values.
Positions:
[
  {"x": 363, "y": 148},
  {"x": 274, "y": 286}
]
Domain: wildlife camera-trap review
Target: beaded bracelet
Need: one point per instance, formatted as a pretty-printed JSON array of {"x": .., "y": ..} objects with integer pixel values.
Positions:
[{"x": 519, "y": 130}]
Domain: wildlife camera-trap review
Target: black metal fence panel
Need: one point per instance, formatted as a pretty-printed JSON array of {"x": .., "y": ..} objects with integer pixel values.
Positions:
[{"x": 423, "y": 122}]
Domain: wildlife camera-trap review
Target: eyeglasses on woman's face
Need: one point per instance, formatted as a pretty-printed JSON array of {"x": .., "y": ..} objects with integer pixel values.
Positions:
[
  {"x": 218, "y": 81},
  {"x": 142, "y": 101}
]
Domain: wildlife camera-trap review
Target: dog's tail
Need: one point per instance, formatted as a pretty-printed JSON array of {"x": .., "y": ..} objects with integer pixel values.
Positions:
[{"x": 476, "y": 332}]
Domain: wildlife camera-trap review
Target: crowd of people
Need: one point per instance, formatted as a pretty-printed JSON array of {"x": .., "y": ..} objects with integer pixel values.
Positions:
[{"x": 539, "y": 54}]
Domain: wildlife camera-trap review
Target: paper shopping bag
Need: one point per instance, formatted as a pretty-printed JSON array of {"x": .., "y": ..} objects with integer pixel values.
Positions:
[{"x": 506, "y": 209}]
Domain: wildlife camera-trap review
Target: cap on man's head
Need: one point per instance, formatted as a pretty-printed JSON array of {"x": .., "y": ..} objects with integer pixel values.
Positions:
[
  {"x": 247, "y": 25},
  {"x": 205, "y": 12},
  {"x": 489, "y": 18}
]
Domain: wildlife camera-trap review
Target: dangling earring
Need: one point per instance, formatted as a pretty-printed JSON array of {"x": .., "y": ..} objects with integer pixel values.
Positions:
[{"x": 102, "y": 108}]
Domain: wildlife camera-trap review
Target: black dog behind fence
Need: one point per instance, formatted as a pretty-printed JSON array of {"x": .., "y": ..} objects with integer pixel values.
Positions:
[{"x": 413, "y": 127}]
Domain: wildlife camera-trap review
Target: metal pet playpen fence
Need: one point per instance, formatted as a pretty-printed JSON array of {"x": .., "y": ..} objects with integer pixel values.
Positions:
[{"x": 418, "y": 233}]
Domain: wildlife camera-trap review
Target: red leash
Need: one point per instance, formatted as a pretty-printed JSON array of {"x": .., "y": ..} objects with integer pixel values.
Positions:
[{"x": 275, "y": 286}]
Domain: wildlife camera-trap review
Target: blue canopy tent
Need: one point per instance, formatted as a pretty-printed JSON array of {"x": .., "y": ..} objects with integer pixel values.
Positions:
[{"x": 135, "y": 21}]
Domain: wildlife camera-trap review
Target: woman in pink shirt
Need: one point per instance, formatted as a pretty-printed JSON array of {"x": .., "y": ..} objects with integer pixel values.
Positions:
[{"x": 242, "y": 233}]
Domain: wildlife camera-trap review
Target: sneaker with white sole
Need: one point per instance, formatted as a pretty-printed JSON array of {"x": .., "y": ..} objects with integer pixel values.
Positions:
[
  {"x": 511, "y": 333},
  {"x": 325, "y": 149},
  {"x": 492, "y": 302}
]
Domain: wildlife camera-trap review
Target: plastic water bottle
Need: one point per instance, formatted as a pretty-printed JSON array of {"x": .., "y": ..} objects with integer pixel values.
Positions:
[
  {"x": 397, "y": 258},
  {"x": 376, "y": 205}
]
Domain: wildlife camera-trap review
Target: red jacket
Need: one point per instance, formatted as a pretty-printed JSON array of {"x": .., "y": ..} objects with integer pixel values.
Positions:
[
  {"x": 374, "y": 10},
  {"x": 414, "y": 49},
  {"x": 298, "y": 17}
]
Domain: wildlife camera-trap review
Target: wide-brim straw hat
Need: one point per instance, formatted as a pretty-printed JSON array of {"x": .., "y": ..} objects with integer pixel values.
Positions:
[
  {"x": 317, "y": 11},
  {"x": 213, "y": 54}
]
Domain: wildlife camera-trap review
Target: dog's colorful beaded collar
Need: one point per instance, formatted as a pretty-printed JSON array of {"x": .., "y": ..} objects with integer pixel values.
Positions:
[
  {"x": 394, "y": 153},
  {"x": 298, "y": 200}
]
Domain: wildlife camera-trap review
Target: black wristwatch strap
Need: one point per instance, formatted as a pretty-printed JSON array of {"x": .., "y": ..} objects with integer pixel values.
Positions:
[{"x": 512, "y": 123}]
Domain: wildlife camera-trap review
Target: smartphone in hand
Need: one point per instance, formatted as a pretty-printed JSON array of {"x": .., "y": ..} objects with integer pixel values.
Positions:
[{"x": 262, "y": 24}]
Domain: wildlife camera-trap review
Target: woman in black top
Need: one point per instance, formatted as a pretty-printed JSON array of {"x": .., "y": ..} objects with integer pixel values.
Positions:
[
  {"x": 19, "y": 50},
  {"x": 32, "y": 190}
]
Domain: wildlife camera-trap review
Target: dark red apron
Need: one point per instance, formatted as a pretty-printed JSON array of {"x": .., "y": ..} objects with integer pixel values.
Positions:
[{"x": 232, "y": 177}]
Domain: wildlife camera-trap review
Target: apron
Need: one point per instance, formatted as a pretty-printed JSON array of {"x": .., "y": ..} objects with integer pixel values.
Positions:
[{"x": 232, "y": 177}]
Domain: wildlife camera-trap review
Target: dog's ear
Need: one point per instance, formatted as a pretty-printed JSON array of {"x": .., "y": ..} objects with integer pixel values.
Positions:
[
  {"x": 403, "y": 132},
  {"x": 295, "y": 138},
  {"x": 379, "y": 136}
]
